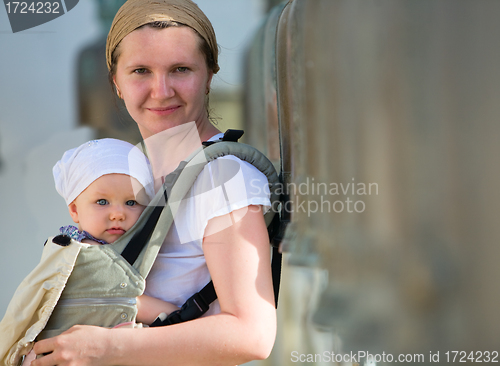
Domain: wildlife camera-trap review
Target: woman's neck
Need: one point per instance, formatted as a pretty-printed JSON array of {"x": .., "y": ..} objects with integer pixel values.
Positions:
[
  {"x": 207, "y": 131},
  {"x": 168, "y": 148}
]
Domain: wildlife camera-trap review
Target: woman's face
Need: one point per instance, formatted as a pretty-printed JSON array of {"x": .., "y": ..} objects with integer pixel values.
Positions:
[{"x": 163, "y": 78}]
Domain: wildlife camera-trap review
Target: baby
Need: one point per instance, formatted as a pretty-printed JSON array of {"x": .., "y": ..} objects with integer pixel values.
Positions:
[{"x": 107, "y": 184}]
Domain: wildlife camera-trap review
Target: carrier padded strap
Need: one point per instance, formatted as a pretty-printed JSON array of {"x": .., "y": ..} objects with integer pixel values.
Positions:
[
  {"x": 178, "y": 184},
  {"x": 199, "y": 303},
  {"x": 253, "y": 156}
]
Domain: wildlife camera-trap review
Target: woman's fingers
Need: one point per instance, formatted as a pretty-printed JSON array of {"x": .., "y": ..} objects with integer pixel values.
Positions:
[
  {"x": 80, "y": 345},
  {"x": 44, "y": 348},
  {"x": 44, "y": 359},
  {"x": 30, "y": 357},
  {"x": 49, "y": 350}
]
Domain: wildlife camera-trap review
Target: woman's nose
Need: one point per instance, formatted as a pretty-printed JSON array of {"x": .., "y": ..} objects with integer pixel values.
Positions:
[{"x": 162, "y": 87}]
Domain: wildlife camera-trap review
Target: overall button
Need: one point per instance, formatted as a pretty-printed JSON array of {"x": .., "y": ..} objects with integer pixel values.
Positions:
[{"x": 62, "y": 240}]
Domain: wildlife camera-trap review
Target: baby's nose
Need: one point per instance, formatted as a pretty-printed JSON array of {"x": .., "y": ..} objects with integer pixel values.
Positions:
[{"x": 117, "y": 213}]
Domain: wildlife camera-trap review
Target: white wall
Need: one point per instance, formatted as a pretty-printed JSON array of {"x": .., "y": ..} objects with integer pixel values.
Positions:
[{"x": 37, "y": 124}]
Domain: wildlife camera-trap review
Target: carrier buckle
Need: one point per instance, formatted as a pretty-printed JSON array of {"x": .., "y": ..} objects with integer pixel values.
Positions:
[{"x": 193, "y": 308}]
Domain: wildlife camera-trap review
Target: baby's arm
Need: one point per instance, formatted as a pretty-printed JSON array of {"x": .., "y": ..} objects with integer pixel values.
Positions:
[{"x": 149, "y": 308}]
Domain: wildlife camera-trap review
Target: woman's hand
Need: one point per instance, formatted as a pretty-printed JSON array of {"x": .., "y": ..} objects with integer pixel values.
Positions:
[{"x": 80, "y": 345}]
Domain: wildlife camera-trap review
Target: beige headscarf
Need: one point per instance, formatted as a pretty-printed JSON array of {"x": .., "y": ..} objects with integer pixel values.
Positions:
[{"x": 135, "y": 13}]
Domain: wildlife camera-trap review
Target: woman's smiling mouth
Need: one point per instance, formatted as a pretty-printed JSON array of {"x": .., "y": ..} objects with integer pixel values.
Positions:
[{"x": 164, "y": 111}]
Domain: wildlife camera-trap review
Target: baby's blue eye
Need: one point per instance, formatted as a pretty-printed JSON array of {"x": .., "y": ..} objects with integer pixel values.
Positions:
[
  {"x": 102, "y": 202},
  {"x": 131, "y": 203}
]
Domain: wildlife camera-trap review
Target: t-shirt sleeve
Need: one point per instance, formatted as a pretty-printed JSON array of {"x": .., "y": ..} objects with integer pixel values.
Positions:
[
  {"x": 224, "y": 185},
  {"x": 236, "y": 184}
]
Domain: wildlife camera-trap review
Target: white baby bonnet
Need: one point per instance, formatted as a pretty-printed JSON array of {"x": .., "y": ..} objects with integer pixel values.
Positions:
[{"x": 80, "y": 166}]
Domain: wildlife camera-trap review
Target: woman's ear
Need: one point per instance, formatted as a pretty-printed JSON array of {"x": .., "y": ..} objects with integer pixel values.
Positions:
[
  {"x": 209, "y": 82},
  {"x": 73, "y": 211},
  {"x": 118, "y": 92}
]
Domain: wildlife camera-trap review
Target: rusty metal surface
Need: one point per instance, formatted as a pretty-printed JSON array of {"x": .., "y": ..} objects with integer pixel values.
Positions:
[
  {"x": 394, "y": 108},
  {"x": 261, "y": 115}
]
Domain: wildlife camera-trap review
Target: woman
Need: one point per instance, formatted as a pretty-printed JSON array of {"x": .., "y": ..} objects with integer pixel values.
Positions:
[{"x": 162, "y": 56}]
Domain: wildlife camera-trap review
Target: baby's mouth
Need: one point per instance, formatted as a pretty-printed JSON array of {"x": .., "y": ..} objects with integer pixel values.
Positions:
[{"x": 115, "y": 231}]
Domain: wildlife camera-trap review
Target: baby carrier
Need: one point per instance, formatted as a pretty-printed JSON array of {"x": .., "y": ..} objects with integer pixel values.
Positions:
[{"x": 98, "y": 284}]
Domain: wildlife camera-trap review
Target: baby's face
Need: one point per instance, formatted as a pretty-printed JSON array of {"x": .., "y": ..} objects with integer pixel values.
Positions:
[{"x": 108, "y": 207}]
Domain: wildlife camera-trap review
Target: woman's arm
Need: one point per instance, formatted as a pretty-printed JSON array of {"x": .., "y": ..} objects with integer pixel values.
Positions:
[{"x": 238, "y": 258}]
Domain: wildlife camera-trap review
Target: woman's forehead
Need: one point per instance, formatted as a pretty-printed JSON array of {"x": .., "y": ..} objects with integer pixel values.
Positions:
[
  {"x": 173, "y": 44},
  {"x": 171, "y": 37}
]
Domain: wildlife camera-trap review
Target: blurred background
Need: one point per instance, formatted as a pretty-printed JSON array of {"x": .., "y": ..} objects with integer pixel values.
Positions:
[{"x": 383, "y": 118}]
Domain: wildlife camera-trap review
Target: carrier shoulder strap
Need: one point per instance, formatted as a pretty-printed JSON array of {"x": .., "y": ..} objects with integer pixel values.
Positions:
[
  {"x": 152, "y": 227},
  {"x": 159, "y": 215},
  {"x": 200, "y": 302}
]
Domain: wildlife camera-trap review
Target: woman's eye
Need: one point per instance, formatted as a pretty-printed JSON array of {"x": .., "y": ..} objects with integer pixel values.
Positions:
[
  {"x": 131, "y": 203},
  {"x": 140, "y": 71},
  {"x": 102, "y": 202}
]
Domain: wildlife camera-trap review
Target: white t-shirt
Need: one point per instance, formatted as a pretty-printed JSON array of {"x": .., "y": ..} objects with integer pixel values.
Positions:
[{"x": 224, "y": 185}]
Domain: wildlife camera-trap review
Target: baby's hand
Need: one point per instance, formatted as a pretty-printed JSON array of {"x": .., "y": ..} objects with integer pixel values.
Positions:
[{"x": 149, "y": 308}]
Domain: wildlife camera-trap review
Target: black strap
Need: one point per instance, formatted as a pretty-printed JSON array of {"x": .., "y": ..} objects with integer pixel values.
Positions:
[
  {"x": 232, "y": 135},
  {"x": 199, "y": 303},
  {"x": 193, "y": 308},
  {"x": 139, "y": 240},
  {"x": 229, "y": 135},
  {"x": 276, "y": 273}
]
